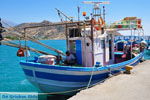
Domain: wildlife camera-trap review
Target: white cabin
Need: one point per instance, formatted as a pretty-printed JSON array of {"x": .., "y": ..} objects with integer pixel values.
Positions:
[{"x": 87, "y": 53}]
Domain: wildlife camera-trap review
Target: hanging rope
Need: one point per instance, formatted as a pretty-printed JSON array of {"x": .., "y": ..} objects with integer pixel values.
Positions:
[
  {"x": 90, "y": 78},
  {"x": 8, "y": 43}
]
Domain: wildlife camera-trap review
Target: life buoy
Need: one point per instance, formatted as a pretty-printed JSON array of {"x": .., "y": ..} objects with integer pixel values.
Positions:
[
  {"x": 139, "y": 23},
  {"x": 101, "y": 21},
  {"x": 98, "y": 25},
  {"x": 20, "y": 52}
]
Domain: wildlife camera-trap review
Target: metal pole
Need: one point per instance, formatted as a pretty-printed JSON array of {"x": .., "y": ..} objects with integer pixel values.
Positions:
[
  {"x": 92, "y": 39},
  {"x": 104, "y": 13},
  {"x": 25, "y": 44},
  {"x": 78, "y": 13},
  {"x": 67, "y": 38},
  {"x": 64, "y": 15},
  {"x": 8, "y": 43},
  {"x": 131, "y": 39}
]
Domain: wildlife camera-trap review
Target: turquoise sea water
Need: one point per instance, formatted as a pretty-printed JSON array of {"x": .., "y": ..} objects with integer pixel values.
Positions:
[
  {"x": 12, "y": 78},
  {"x": 147, "y": 55}
]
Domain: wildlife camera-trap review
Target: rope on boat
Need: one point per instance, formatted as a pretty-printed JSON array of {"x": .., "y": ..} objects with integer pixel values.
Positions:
[
  {"x": 29, "y": 48},
  {"x": 90, "y": 78},
  {"x": 110, "y": 73}
]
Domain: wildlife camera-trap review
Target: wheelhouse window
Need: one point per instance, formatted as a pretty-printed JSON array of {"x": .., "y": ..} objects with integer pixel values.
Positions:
[{"x": 74, "y": 32}]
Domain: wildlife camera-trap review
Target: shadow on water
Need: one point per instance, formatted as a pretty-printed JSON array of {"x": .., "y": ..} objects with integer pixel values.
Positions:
[{"x": 58, "y": 97}]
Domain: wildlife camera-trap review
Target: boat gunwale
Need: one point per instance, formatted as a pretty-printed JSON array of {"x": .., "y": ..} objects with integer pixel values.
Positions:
[{"x": 86, "y": 69}]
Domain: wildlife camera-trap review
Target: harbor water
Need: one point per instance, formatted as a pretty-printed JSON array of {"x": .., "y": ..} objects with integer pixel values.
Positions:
[{"x": 12, "y": 78}]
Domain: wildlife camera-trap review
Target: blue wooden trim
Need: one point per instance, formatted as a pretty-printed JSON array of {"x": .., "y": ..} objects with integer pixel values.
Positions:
[
  {"x": 70, "y": 78},
  {"x": 126, "y": 62},
  {"x": 28, "y": 72},
  {"x": 85, "y": 69},
  {"x": 79, "y": 51},
  {"x": 118, "y": 53},
  {"x": 68, "y": 68},
  {"x": 80, "y": 78}
]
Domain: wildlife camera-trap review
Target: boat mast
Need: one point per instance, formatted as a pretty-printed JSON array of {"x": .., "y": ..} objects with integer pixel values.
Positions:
[
  {"x": 95, "y": 16},
  {"x": 104, "y": 13},
  {"x": 61, "y": 15},
  {"x": 78, "y": 13}
]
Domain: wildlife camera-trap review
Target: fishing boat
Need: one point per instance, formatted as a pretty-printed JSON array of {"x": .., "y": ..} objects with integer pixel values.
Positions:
[{"x": 92, "y": 43}]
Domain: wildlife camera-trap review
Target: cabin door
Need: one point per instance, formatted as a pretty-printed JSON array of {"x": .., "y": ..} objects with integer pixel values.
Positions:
[{"x": 87, "y": 52}]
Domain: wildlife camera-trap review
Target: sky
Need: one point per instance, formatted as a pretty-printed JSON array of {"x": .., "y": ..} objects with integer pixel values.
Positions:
[{"x": 21, "y": 11}]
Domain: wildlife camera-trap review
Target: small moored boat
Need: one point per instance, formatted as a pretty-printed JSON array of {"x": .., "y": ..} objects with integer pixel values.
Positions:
[{"x": 92, "y": 44}]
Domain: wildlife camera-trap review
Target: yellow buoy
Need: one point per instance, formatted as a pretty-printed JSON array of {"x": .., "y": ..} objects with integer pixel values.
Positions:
[{"x": 128, "y": 67}]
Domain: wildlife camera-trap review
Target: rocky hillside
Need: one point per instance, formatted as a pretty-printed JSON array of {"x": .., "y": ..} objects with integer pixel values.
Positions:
[{"x": 48, "y": 32}]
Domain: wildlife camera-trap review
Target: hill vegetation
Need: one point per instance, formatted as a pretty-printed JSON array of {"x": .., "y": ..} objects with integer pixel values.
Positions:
[{"x": 47, "y": 32}]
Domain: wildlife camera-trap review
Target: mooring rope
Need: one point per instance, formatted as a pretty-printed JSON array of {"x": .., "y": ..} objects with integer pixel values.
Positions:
[{"x": 91, "y": 76}]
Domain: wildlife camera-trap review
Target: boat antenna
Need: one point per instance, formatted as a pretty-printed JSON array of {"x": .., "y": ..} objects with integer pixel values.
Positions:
[
  {"x": 78, "y": 13},
  {"x": 96, "y": 8},
  {"x": 104, "y": 13}
]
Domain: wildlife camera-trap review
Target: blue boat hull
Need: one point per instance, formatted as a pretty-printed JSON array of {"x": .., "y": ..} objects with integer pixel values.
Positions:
[{"x": 54, "y": 79}]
